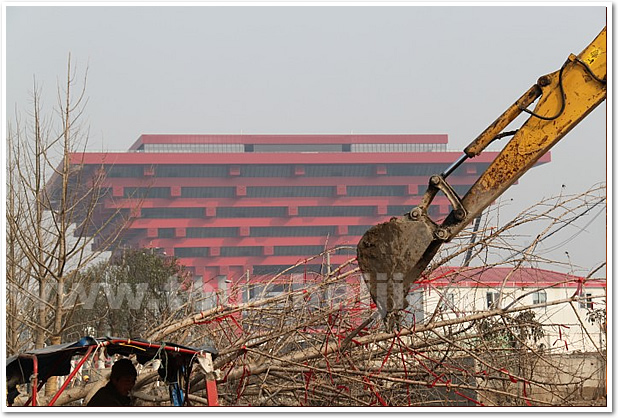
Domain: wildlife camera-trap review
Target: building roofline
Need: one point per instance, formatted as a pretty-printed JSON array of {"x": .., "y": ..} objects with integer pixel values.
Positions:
[
  {"x": 495, "y": 277},
  {"x": 289, "y": 139}
]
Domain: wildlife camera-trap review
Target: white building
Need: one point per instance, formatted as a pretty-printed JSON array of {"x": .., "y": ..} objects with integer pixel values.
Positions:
[{"x": 562, "y": 303}]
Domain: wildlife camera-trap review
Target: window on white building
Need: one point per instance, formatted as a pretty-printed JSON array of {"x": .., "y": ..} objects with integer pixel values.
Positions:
[
  {"x": 492, "y": 298},
  {"x": 539, "y": 297}
]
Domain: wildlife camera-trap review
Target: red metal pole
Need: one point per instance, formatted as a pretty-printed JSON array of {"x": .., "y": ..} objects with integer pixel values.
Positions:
[
  {"x": 211, "y": 392},
  {"x": 71, "y": 376}
]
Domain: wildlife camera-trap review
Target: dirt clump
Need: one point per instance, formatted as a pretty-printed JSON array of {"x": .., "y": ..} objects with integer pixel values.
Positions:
[{"x": 387, "y": 256}]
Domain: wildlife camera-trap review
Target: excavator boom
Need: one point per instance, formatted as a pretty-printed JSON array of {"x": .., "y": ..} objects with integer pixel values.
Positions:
[{"x": 394, "y": 254}]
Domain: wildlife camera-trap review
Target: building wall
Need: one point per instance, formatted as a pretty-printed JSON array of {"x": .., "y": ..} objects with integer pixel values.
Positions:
[
  {"x": 566, "y": 325},
  {"x": 570, "y": 378},
  {"x": 228, "y": 204}
]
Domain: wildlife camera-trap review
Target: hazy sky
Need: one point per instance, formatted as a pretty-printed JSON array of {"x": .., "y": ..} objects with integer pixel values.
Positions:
[{"x": 318, "y": 69}]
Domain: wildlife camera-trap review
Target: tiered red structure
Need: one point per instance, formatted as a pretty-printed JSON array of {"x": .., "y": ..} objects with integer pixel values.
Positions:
[{"x": 230, "y": 206}]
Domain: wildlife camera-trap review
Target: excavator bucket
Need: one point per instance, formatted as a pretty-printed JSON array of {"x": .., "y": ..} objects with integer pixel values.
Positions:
[{"x": 392, "y": 255}]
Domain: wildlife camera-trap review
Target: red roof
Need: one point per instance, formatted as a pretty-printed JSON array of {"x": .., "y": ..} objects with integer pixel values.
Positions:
[{"x": 496, "y": 276}]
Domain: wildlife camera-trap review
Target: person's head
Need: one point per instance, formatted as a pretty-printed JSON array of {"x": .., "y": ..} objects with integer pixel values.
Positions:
[{"x": 123, "y": 376}]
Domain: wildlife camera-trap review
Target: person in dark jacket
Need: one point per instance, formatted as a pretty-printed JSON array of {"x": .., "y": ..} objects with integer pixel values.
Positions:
[{"x": 116, "y": 391}]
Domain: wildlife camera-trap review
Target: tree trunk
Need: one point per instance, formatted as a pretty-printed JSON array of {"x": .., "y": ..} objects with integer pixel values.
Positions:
[{"x": 51, "y": 387}]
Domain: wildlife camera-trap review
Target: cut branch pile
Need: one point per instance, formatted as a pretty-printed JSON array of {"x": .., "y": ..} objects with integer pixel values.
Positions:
[{"x": 317, "y": 341}]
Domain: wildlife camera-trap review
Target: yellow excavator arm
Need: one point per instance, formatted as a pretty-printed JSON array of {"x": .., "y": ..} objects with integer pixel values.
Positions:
[{"x": 393, "y": 255}]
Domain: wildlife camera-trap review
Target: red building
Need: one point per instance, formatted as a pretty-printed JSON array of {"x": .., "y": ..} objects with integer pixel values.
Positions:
[{"x": 226, "y": 205}]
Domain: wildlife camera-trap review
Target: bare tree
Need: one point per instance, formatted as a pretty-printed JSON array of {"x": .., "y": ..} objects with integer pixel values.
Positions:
[{"x": 51, "y": 222}]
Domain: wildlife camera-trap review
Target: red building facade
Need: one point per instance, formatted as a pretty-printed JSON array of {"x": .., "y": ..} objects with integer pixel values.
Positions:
[{"x": 232, "y": 205}]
